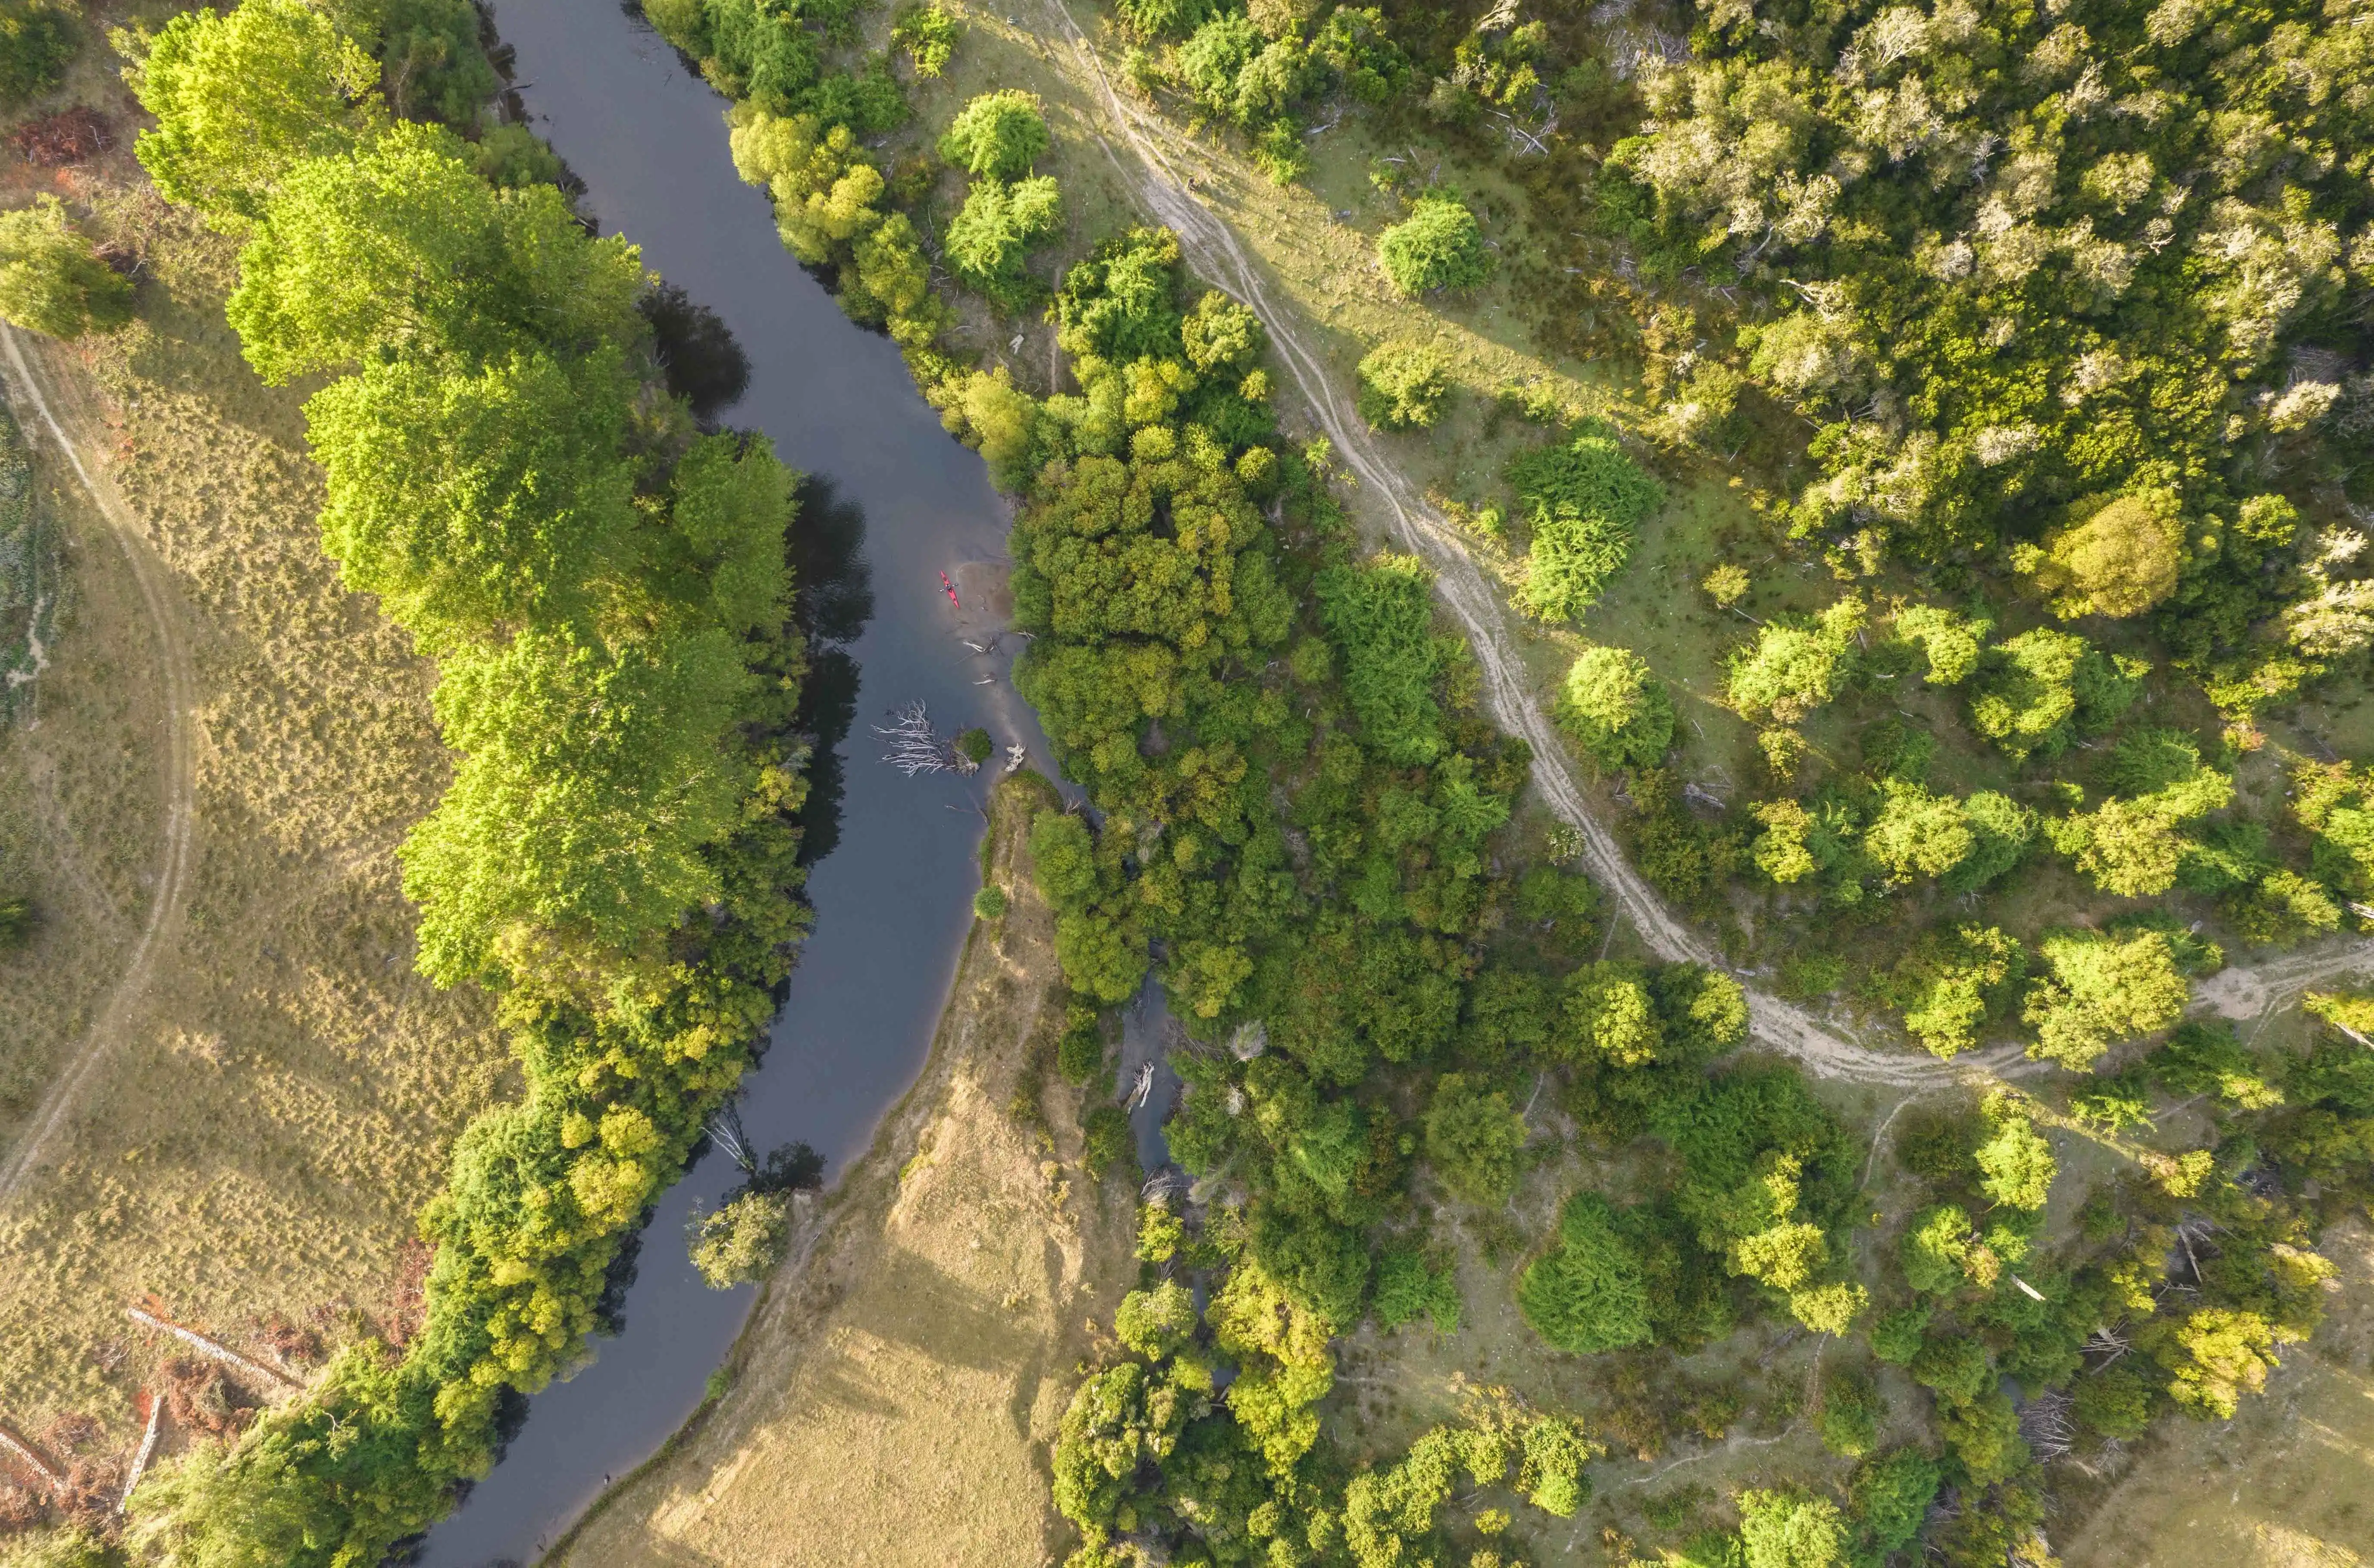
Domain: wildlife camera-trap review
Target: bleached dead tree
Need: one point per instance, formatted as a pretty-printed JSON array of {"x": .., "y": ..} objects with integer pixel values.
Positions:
[
  {"x": 213, "y": 1349},
  {"x": 147, "y": 1450},
  {"x": 30, "y": 1457},
  {"x": 915, "y": 747}
]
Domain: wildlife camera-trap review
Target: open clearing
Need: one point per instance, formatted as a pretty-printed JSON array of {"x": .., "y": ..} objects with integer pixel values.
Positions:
[
  {"x": 236, "y": 1098},
  {"x": 896, "y": 1394}
]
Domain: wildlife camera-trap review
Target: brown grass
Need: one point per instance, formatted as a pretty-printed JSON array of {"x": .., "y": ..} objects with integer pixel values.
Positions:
[
  {"x": 258, "y": 1134},
  {"x": 897, "y": 1392}
]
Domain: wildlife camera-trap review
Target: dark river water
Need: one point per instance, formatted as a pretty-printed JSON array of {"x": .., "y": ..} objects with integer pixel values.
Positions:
[{"x": 895, "y": 504}]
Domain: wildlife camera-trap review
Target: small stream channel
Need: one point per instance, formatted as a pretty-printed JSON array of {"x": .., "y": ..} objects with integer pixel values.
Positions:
[{"x": 895, "y": 503}]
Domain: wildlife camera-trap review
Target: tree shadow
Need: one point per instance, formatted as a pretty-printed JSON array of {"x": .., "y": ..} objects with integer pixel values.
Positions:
[{"x": 833, "y": 600}]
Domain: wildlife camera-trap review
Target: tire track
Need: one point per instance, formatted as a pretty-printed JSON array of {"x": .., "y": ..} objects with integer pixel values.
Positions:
[{"x": 179, "y": 681}]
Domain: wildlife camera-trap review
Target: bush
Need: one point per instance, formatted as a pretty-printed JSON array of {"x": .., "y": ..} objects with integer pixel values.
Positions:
[
  {"x": 1615, "y": 708},
  {"x": 1588, "y": 1293},
  {"x": 1403, "y": 386},
  {"x": 51, "y": 280},
  {"x": 989, "y": 904},
  {"x": 975, "y": 745},
  {"x": 1109, "y": 1140},
  {"x": 1412, "y": 1283},
  {"x": 928, "y": 34},
  {"x": 1584, "y": 501},
  {"x": 1474, "y": 1138},
  {"x": 1080, "y": 1052},
  {"x": 742, "y": 1240},
  {"x": 16, "y": 922},
  {"x": 37, "y": 41},
  {"x": 998, "y": 136},
  {"x": 1437, "y": 246}
]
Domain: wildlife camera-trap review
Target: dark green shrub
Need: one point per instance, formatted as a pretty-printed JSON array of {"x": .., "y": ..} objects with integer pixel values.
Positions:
[{"x": 37, "y": 41}]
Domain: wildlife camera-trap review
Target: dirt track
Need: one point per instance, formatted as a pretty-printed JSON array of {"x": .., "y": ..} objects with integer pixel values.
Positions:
[
  {"x": 26, "y": 390},
  {"x": 1211, "y": 248}
]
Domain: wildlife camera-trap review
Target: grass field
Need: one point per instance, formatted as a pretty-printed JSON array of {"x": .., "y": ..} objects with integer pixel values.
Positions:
[
  {"x": 896, "y": 1394},
  {"x": 271, "y": 1096}
]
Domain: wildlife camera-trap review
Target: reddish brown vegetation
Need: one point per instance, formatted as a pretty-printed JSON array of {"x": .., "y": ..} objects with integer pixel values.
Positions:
[
  {"x": 199, "y": 1398},
  {"x": 75, "y": 136}
]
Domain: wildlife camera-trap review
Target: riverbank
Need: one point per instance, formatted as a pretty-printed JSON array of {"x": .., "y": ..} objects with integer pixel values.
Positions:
[{"x": 901, "y": 1376}]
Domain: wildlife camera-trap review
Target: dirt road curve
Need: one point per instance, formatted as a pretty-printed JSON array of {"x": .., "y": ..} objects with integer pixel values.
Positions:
[
  {"x": 1212, "y": 247},
  {"x": 27, "y": 390}
]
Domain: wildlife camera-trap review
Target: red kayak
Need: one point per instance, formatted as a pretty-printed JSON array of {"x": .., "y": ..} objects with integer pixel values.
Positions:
[{"x": 952, "y": 591}]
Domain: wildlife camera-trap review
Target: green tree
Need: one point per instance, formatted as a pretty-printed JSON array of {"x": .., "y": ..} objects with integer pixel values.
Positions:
[
  {"x": 997, "y": 136},
  {"x": 1588, "y": 1293},
  {"x": 1794, "y": 669},
  {"x": 1381, "y": 615},
  {"x": 2121, "y": 561},
  {"x": 741, "y": 1242},
  {"x": 1889, "y": 1495},
  {"x": 241, "y": 96},
  {"x": 1780, "y": 1529},
  {"x": 1584, "y": 500},
  {"x": 1953, "y": 982},
  {"x": 1615, "y": 708},
  {"x": 1157, "y": 1323},
  {"x": 2000, "y": 830},
  {"x": 2015, "y": 1164},
  {"x": 995, "y": 229},
  {"x": 1120, "y": 1421},
  {"x": 402, "y": 247},
  {"x": 1473, "y": 1139},
  {"x": 1917, "y": 834},
  {"x": 593, "y": 779},
  {"x": 1935, "y": 1251},
  {"x": 1951, "y": 643},
  {"x": 1437, "y": 246},
  {"x": 2100, "y": 989},
  {"x": 1403, "y": 385},
  {"x": 2040, "y": 690},
  {"x": 50, "y": 281},
  {"x": 482, "y": 499}
]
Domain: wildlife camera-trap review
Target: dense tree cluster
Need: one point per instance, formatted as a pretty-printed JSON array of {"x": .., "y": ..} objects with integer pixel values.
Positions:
[
  {"x": 2049, "y": 277},
  {"x": 605, "y": 592}
]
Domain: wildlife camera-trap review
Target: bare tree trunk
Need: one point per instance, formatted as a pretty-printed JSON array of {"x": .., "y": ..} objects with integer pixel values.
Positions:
[
  {"x": 147, "y": 1450},
  {"x": 213, "y": 1349},
  {"x": 28, "y": 1455}
]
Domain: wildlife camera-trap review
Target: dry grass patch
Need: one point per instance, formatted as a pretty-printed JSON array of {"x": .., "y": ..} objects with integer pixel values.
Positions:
[
  {"x": 896, "y": 1395},
  {"x": 272, "y": 1106}
]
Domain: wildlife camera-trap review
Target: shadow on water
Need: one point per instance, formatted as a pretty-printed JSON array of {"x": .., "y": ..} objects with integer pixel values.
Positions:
[
  {"x": 893, "y": 504},
  {"x": 835, "y": 599}
]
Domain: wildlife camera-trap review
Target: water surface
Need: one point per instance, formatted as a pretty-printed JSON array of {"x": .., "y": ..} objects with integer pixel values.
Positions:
[{"x": 896, "y": 504}]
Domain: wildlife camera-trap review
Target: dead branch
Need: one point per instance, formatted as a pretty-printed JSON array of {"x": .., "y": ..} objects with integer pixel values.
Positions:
[
  {"x": 915, "y": 747},
  {"x": 213, "y": 1349},
  {"x": 26, "y": 1455},
  {"x": 147, "y": 1450}
]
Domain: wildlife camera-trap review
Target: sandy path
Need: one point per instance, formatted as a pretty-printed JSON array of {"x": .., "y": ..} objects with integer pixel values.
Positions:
[{"x": 26, "y": 390}]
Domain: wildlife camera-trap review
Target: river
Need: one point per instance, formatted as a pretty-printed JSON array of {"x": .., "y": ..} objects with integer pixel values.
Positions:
[{"x": 897, "y": 502}]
